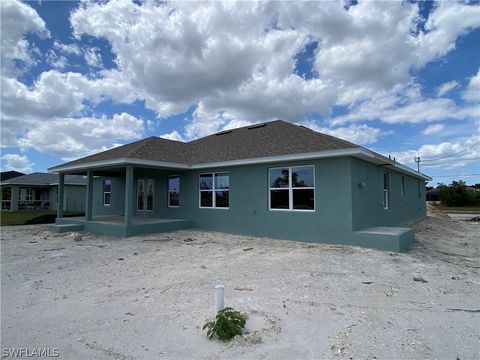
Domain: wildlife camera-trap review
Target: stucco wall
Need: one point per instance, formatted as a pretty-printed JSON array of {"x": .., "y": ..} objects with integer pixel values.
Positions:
[
  {"x": 367, "y": 202},
  {"x": 73, "y": 199},
  {"x": 341, "y": 206}
]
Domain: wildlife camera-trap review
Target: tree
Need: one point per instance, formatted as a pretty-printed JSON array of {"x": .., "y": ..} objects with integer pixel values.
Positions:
[{"x": 455, "y": 194}]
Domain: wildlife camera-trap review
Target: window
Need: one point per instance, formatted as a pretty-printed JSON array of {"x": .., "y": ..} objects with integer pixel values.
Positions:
[
  {"x": 140, "y": 195},
  {"x": 403, "y": 185},
  {"x": 214, "y": 190},
  {"x": 29, "y": 195},
  {"x": 107, "y": 192},
  {"x": 149, "y": 194},
  {"x": 174, "y": 191},
  {"x": 386, "y": 188},
  {"x": 292, "y": 188}
]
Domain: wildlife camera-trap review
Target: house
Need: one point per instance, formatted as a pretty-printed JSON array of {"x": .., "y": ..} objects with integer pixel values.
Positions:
[
  {"x": 432, "y": 195},
  {"x": 274, "y": 179},
  {"x": 7, "y": 175},
  {"x": 38, "y": 191}
]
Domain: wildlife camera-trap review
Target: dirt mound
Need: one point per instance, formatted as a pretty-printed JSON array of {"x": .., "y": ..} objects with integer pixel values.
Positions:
[{"x": 434, "y": 212}]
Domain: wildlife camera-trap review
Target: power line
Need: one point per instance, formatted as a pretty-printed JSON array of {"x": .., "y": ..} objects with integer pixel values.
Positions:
[
  {"x": 449, "y": 162},
  {"x": 464, "y": 175},
  {"x": 447, "y": 156}
]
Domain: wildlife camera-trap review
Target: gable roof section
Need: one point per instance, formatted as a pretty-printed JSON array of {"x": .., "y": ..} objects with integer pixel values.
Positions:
[
  {"x": 267, "y": 142},
  {"x": 264, "y": 140},
  {"x": 45, "y": 179},
  {"x": 152, "y": 148}
]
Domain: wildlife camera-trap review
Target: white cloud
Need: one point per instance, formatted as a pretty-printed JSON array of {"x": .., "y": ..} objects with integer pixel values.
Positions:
[
  {"x": 230, "y": 60},
  {"x": 453, "y": 154},
  {"x": 16, "y": 162},
  {"x": 18, "y": 19},
  {"x": 56, "y": 61},
  {"x": 357, "y": 134},
  {"x": 406, "y": 105},
  {"x": 446, "y": 87},
  {"x": 174, "y": 135},
  {"x": 93, "y": 57},
  {"x": 472, "y": 93},
  {"x": 70, "y": 49},
  {"x": 75, "y": 137},
  {"x": 433, "y": 129},
  {"x": 235, "y": 61},
  {"x": 55, "y": 94}
]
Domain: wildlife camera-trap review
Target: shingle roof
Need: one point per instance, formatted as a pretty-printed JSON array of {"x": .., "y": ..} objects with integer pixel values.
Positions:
[
  {"x": 45, "y": 179},
  {"x": 263, "y": 140},
  {"x": 6, "y": 175}
]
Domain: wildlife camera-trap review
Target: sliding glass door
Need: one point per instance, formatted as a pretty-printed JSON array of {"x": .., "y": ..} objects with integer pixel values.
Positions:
[{"x": 145, "y": 192}]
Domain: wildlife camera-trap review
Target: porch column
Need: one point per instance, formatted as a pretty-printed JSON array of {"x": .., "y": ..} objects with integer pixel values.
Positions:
[
  {"x": 14, "y": 198},
  {"x": 128, "y": 194},
  {"x": 61, "y": 189},
  {"x": 89, "y": 202}
]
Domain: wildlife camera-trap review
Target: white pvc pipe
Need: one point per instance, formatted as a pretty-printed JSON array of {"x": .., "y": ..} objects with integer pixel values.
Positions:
[{"x": 219, "y": 298}]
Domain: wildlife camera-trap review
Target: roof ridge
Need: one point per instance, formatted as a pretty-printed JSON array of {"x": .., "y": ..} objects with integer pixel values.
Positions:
[{"x": 141, "y": 144}]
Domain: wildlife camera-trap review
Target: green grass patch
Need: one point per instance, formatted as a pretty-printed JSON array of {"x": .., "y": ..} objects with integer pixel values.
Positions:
[{"x": 9, "y": 218}]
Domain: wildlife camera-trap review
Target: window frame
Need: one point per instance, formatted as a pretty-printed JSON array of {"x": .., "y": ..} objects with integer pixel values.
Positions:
[
  {"x": 213, "y": 191},
  {"x": 107, "y": 192},
  {"x": 386, "y": 190},
  {"x": 146, "y": 194},
  {"x": 168, "y": 191},
  {"x": 28, "y": 195},
  {"x": 403, "y": 187},
  {"x": 290, "y": 189}
]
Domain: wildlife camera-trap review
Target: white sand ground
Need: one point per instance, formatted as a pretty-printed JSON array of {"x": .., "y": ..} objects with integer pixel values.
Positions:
[{"x": 306, "y": 301}]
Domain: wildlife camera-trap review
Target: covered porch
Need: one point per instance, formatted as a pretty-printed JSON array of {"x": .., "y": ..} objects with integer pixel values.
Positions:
[
  {"x": 116, "y": 205},
  {"x": 114, "y": 225}
]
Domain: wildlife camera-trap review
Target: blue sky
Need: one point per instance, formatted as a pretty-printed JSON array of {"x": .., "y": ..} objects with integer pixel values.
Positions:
[{"x": 400, "y": 78}]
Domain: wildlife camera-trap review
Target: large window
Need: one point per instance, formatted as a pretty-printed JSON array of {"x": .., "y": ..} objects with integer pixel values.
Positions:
[
  {"x": 214, "y": 190},
  {"x": 107, "y": 192},
  {"x": 386, "y": 190},
  {"x": 292, "y": 188},
  {"x": 174, "y": 191}
]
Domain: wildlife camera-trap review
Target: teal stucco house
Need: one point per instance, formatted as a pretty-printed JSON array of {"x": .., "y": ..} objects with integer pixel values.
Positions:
[
  {"x": 38, "y": 191},
  {"x": 274, "y": 179}
]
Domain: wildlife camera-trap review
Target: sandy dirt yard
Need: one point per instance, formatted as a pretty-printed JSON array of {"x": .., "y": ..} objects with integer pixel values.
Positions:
[{"x": 147, "y": 297}]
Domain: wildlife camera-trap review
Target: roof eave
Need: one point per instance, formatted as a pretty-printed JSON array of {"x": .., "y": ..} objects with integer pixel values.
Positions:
[{"x": 357, "y": 152}]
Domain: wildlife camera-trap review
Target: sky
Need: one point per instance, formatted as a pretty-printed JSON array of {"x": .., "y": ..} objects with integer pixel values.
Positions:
[{"x": 400, "y": 78}]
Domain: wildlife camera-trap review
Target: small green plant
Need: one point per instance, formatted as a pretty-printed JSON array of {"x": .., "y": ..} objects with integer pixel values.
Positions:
[{"x": 226, "y": 325}]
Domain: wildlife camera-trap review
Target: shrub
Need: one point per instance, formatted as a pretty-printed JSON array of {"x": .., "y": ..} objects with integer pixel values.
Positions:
[{"x": 226, "y": 325}]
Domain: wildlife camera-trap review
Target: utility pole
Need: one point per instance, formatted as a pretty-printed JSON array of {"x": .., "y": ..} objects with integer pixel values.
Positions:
[{"x": 417, "y": 160}]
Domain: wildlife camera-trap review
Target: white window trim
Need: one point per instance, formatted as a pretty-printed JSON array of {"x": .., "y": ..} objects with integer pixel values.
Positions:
[
  {"x": 168, "y": 191},
  {"x": 386, "y": 191},
  {"x": 146, "y": 194},
  {"x": 213, "y": 190},
  {"x": 107, "y": 192},
  {"x": 136, "y": 197},
  {"x": 290, "y": 189}
]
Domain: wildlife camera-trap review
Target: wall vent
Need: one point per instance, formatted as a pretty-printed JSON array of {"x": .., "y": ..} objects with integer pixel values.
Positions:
[
  {"x": 256, "y": 126},
  {"x": 223, "y": 132}
]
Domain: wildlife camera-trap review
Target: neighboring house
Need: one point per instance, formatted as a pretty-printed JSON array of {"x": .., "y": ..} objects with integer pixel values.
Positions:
[
  {"x": 7, "y": 175},
  {"x": 38, "y": 191},
  {"x": 273, "y": 179},
  {"x": 432, "y": 195}
]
